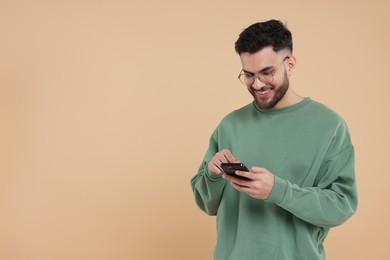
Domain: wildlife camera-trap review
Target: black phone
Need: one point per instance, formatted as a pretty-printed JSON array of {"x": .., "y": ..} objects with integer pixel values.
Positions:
[{"x": 231, "y": 168}]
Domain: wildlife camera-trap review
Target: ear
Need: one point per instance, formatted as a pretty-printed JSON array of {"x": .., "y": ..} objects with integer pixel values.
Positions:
[{"x": 291, "y": 64}]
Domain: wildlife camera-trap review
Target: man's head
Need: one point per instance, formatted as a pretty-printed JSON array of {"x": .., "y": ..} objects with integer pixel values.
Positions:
[
  {"x": 260, "y": 35},
  {"x": 265, "y": 51}
]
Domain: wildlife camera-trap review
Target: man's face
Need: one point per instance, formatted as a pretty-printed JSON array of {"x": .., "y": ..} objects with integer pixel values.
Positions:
[{"x": 267, "y": 62}]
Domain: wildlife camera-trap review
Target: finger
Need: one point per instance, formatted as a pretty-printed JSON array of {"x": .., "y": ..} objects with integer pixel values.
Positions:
[
  {"x": 219, "y": 168},
  {"x": 220, "y": 158},
  {"x": 258, "y": 170},
  {"x": 229, "y": 178},
  {"x": 215, "y": 164},
  {"x": 240, "y": 188},
  {"x": 249, "y": 175},
  {"x": 241, "y": 182},
  {"x": 214, "y": 168},
  {"x": 250, "y": 191},
  {"x": 229, "y": 156}
]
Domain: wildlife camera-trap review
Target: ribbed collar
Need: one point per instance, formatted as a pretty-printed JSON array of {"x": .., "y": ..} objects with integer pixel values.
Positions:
[{"x": 283, "y": 110}]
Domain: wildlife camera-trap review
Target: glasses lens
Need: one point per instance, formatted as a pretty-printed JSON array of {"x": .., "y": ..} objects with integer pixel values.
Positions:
[
  {"x": 246, "y": 79},
  {"x": 266, "y": 79}
]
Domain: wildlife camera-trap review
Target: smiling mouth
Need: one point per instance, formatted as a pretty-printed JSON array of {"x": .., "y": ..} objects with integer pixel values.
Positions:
[{"x": 264, "y": 91}]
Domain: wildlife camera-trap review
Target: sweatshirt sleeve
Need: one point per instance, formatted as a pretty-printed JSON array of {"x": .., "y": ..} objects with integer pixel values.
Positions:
[
  {"x": 206, "y": 185},
  {"x": 333, "y": 198}
]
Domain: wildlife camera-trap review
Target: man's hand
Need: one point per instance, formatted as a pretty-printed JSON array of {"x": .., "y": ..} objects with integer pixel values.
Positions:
[
  {"x": 259, "y": 186},
  {"x": 224, "y": 156}
]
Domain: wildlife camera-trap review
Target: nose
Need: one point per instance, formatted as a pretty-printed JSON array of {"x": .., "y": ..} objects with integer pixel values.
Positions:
[{"x": 257, "y": 84}]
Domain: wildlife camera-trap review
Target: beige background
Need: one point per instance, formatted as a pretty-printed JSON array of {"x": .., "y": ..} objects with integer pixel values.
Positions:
[{"x": 106, "y": 109}]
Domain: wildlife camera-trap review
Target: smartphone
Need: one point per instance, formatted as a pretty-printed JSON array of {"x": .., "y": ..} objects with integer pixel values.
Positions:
[{"x": 231, "y": 168}]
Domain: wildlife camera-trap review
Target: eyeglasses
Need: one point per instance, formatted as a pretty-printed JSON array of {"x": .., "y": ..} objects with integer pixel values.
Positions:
[{"x": 266, "y": 77}]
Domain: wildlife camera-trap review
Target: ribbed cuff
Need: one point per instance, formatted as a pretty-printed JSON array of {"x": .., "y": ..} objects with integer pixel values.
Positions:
[{"x": 278, "y": 191}]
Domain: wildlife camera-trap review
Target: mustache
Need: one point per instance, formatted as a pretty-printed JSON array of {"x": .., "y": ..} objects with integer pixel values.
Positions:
[{"x": 265, "y": 88}]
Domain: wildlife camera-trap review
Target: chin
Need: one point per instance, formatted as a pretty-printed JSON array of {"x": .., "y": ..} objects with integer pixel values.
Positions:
[{"x": 265, "y": 103}]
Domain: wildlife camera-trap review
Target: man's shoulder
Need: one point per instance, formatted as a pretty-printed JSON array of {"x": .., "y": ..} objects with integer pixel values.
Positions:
[
  {"x": 239, "y": 113},
  {"x": 323, "y": 112}
]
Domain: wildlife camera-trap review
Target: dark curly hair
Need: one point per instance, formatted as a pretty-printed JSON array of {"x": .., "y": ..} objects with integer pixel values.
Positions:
[{"x": 259, "y": 35}]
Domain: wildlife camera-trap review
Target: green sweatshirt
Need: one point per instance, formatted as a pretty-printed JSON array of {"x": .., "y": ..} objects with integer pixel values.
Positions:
[{"x": 308, "y": 148}]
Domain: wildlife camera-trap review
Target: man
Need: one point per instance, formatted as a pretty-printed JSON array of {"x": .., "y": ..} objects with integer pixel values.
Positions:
[{"x": 301, "y": 180}]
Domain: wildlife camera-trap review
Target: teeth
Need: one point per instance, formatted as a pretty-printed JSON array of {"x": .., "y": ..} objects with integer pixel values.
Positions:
[{"x": 264, "y": 91}]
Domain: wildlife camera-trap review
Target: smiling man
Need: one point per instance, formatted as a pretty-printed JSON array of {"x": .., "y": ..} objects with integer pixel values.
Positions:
[{"x": 301, "y": 178}]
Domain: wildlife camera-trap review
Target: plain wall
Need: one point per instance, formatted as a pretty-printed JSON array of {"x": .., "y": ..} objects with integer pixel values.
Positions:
[{"x": 106, "y": 109}]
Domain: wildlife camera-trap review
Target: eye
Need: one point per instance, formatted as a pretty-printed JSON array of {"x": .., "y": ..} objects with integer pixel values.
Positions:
[{"x": 268, "y": 73}]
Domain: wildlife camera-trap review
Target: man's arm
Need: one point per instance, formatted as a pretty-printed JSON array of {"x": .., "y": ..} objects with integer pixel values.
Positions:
[
  {"x": 208, "y": 188},
  {"x": 329, "y": 202},
  {"x": 208, "y": 184}
]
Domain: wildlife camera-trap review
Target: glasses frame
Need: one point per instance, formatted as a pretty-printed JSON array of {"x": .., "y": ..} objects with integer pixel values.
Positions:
[{"x": 259, "y": 75}]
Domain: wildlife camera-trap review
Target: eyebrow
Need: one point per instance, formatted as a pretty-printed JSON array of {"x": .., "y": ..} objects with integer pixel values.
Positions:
[{"x": 263, "y": 70}]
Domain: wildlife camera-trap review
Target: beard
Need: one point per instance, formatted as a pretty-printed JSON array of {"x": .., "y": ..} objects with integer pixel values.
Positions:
[{"x": 279, "y": 92}]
